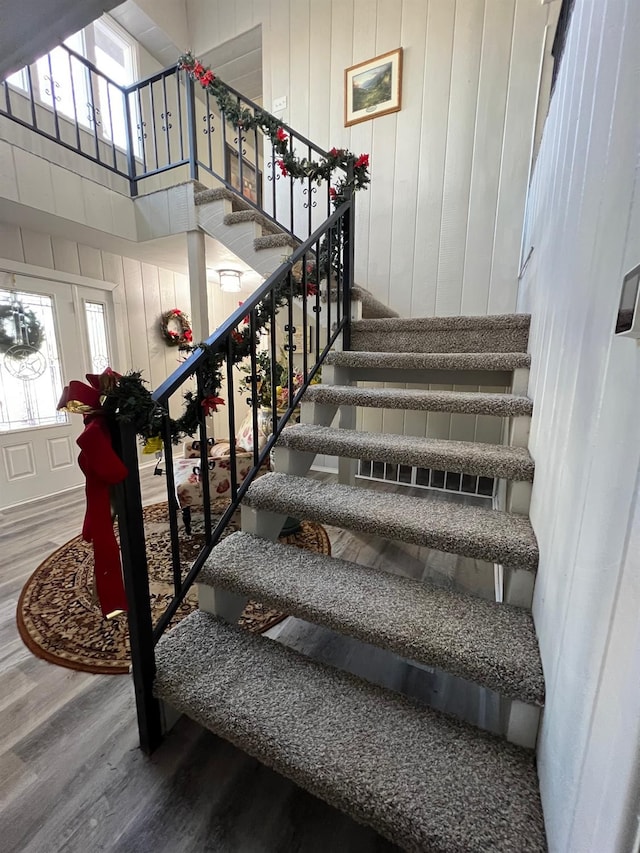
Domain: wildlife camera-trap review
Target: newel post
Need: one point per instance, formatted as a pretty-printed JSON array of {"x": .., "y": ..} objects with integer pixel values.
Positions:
[{"x": 136, "y": 581}]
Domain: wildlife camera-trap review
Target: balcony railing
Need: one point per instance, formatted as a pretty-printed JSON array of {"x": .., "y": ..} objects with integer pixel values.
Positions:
[{"x": 160, "y": 124}]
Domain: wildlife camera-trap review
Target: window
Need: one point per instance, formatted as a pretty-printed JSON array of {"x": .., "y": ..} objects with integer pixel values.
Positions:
[
  {"x": 97, "y": 335},
  {"x": 63, "y": 82},
  {"x": 30, "y": 384}
]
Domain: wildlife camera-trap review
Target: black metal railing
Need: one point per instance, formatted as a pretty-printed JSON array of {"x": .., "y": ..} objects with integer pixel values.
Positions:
[
  {"x": 295, "y": 320},
  {"x": 164, "y": 123}
]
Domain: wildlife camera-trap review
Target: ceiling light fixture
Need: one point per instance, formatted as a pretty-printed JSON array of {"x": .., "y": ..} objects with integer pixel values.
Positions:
[{"x": 230, "y": 280}]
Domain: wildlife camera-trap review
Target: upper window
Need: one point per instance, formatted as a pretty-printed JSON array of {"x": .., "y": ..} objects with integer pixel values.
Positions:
[{"x": 62, "y": 82}]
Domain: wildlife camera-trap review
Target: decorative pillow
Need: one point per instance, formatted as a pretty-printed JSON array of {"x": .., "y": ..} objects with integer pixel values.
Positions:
[
  {"x": 244, "y": 436},
  {"x": 220, "y": 449},
  {"x": 191, "y": 447}
]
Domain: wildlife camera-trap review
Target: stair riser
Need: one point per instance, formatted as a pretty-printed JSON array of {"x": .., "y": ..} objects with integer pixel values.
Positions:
[
  {"x": 492, "y": 378},
  {"x": 466, "y": 340}
]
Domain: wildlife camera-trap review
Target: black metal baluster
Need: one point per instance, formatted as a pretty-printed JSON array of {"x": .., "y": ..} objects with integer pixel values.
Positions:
[
  {"x": 255, "y": 395},
  {"x": 231, "y": 414},
  {"x": 338, "y": 270},
  {"x": 317, "y": 308},
  {"x": 192, "y": 139},
  {"x": 113, "y": 135},
  {"x": 179, "y": 102},
  {"x": 204, "y": 459},
  {"x": 305, "y": 328},
  {"x": 131, "y": 155},
  {"x": 348, "y": 266},
  {"x": 141, "y": 125},
  {"x": 274, "y": 178},
  {"x": 136, "y": 581},
  {"x": 291, "y": 217},
  {"x": 327, "y": 272},
  {"x": 171, "y": 503},
  {"x": 240, "y": 139},
  {"x": 166, "y": 116},
  {"x": 54, "y": 83},
  {"x": 225, "y": 159},
  {"x": 257, "y": 159},
  {"x": 290, "y": 329},
  {"x": 154, "y": 133},
  {"x": 273, "y": 328},
  {"x": 208, "y": 130},
  {"x": 93, "y": 115},
  {"x": 75, "y": 106},
  {"x": 34, "y": 119}
]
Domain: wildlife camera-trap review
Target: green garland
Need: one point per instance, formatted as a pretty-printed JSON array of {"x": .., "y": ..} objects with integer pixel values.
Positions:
[
  {"x": 288, "y": 163},
  {"x": 130, "y": 401},
  {"x": 30, "y": 330}
]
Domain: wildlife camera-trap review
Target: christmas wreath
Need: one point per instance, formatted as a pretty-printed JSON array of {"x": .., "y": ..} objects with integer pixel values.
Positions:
[
  {"x": 19, "y": 327},
  {"x": 175, "y": 328}
]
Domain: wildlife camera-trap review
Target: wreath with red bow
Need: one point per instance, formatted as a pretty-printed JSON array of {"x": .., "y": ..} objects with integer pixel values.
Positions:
[{"x": 176, "y": 328}]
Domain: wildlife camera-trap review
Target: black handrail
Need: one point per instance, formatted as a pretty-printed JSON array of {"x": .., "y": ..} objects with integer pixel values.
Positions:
[
  {"x": 325, "y": 253},
  {"x": 159, "y": 121},
  {"x": 327, "y": 256}
]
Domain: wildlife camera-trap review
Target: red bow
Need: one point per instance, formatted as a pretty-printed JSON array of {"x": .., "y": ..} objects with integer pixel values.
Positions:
[
  {"x": 102, "y": 468},
  {"x": 210, "y": 404}
]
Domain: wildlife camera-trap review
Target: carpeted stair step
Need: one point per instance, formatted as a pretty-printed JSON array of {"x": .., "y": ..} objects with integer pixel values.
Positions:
[
  {"x": 491, "y": 644},
  {"x": 464, "y": 457},
  {"x": 240, "y": 216},
  {"x": 372, "y": 308},
  {"x": 484, "y": 534},
  {"x": 459, "y": 402},
  {"x": 206, "y": 196},
  {"x": 424, "y": 780},
  {"x": 430, "y": 360},
  {"x": 492, "y": 333}
]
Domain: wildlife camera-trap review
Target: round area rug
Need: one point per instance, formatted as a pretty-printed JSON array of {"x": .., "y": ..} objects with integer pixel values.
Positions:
[{"x": 59, "y": 618}]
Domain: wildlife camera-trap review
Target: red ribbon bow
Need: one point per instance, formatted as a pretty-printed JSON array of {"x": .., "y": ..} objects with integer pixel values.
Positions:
[
  {"x": 210, "y": 404},
  {"x": 102, "y": 468}
]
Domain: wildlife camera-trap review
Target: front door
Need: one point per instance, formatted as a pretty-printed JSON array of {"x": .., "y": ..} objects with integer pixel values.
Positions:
[{"x": 50, "y": 333}]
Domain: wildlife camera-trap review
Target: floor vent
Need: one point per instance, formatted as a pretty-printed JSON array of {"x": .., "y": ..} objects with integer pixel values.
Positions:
[{"x": 427, "y": 478}]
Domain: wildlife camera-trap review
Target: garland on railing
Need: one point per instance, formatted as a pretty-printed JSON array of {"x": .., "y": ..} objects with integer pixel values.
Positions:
[
  {"x": 288, "y": 163},
  {"x": 129, "y": 400}
]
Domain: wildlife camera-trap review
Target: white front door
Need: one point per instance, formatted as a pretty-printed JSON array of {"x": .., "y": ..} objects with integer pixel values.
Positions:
[{"x": 66, "y": 331}]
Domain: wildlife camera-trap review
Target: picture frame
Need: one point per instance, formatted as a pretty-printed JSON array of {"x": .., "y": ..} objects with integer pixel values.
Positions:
[
  {"x": 251, "y": 183},
  {"x": 373, "y": 88}
]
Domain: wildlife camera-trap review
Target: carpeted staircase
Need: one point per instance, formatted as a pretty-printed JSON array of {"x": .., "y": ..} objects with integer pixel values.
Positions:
[{"x": 423, "y": 779}]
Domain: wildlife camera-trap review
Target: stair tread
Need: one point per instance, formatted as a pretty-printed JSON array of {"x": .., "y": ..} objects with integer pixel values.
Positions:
[
  {"x": 431, "y": 360},
  {"x": 218, "y": 194},
  {"x": 422, "y": 779},
  {"x": 274, "y": 241},
  {"x": 239, "y": 216},
  {"x": 465, "y": 457},
  {"x": 471, "y": 531},
  {"x": 491, "y": 644},
  {"x": 457, "y": 322},
  {"x": 461, "y": 402}
]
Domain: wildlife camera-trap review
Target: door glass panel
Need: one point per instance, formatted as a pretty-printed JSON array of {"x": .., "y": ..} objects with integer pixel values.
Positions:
[
  {"x": 30, "y": 374},
  {"x": 97, "y": 335}
]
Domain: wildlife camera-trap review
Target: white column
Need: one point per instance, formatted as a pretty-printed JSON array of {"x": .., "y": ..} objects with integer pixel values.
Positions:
[{"x": 198, "y": 285}]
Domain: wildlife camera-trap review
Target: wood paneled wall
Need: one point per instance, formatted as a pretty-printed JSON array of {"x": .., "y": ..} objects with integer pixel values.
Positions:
[
  {"x": 143, "y": 293},
  {"x": 439, "y": 230},
  {"x": 583, "y": 224}
]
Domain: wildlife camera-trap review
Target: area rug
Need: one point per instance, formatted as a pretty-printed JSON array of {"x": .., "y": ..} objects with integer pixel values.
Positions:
[{"x": 59, "y": 618}]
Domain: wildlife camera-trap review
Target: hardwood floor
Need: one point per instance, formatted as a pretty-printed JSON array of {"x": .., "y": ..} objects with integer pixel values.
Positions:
[{"x": 72, "y": 777}]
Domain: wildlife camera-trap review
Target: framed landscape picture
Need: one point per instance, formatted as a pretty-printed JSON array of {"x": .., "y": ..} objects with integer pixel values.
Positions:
[{"x": 373, "y": 88}]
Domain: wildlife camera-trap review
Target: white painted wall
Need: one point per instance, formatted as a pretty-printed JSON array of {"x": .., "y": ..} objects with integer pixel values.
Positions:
[
  {"x": 439, "y": 230},
  {"x": 584, "y": 225},
  {"x": 143, "y": 292}
]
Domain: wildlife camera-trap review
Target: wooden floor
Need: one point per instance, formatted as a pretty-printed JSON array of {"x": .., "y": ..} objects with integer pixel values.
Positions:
[{"x": 72, "y": 777}]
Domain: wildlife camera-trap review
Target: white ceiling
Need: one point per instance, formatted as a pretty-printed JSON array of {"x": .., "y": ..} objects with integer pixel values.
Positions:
[{"x": 29, "y": 28}]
